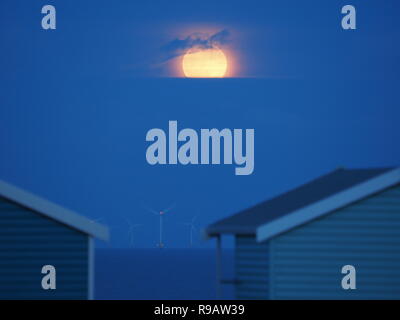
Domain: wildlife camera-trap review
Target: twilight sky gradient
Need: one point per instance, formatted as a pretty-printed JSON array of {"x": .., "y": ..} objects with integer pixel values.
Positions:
[{"x": 77, "y": 102}]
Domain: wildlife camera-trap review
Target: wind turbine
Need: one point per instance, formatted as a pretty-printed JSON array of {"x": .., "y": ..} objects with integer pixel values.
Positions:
[
  {"x": 131, "y": 231},
  {"x": 161, "y": 213},
  {"x": 192, "y": 228}
]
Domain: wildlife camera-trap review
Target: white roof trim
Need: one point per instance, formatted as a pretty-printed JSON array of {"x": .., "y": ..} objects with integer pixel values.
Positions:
[
  {"x": 337, "y": 201},
  {"x": 53, "y": 211}
]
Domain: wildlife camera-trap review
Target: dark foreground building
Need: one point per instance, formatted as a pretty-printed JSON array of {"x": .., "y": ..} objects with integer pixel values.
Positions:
[
  {"x": 295, "y": 245},
  {"x": 34, "y": 233}
]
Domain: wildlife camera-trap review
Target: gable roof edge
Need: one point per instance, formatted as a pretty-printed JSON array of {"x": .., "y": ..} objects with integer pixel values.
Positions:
[
  {"x": 53, "y": 211},
  {"x": 327, "y": 205}
]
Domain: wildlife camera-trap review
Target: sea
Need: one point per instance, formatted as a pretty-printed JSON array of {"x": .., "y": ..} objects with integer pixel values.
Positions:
[{"x": 161, "y": 274}]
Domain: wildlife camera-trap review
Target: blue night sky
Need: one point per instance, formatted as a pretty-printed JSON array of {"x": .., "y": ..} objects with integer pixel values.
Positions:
[{"x": 76, "y": 103}]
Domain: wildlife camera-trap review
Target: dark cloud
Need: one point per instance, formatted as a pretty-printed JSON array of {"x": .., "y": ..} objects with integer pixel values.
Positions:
[{"x": 178, "y": 47}]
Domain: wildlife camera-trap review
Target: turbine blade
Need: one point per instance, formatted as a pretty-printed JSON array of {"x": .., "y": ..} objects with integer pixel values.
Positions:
[
  {"x": 128, "y": 222},
  {"x": 169, "y": 208},
  {"x": 151, "y": 210}
]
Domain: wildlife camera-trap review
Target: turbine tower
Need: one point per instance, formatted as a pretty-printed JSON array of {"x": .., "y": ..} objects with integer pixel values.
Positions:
[
  {"x": 160, "y": 214},
  {"x": 131, "y": 232},
  {"x": 192, "y": 228}
]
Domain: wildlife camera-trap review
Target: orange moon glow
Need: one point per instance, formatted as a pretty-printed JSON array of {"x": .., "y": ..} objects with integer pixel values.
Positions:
[{"x": 208, "y": 63}]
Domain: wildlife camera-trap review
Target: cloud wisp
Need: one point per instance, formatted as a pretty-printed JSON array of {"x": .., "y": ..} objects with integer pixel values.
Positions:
[{"x": 178, "y": 47}]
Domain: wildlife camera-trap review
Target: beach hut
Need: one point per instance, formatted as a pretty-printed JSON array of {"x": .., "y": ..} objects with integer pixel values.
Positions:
[
  {"x": 296, "y": 245},
  {"x": 41, "y": 242}
]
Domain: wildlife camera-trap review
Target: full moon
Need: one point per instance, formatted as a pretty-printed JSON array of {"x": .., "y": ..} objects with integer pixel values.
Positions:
[{"x": 207, "y": 63}]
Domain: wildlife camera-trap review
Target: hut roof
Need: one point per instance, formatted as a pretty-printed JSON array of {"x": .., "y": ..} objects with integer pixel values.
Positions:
[
  {"x": 53, "y": 211},
  {"x": 304, "y": 203}
]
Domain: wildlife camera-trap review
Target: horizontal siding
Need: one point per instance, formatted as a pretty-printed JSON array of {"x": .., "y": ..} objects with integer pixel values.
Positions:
[
  {"x": 306, "y": 262},
  {"x": 251, "y": 266},
  {"x": 28, "y": 241}
]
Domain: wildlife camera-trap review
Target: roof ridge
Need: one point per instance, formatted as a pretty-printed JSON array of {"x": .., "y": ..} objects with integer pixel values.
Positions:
[
  {"x": 52, "y": 210},
  {"x": 302, "y": 196}
]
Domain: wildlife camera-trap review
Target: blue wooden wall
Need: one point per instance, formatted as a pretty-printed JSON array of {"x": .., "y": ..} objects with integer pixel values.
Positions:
[
  {"x": 306, "y": 262},
  {"x": 27, "y": 242},
  {"x": 251, "y": 268}
]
